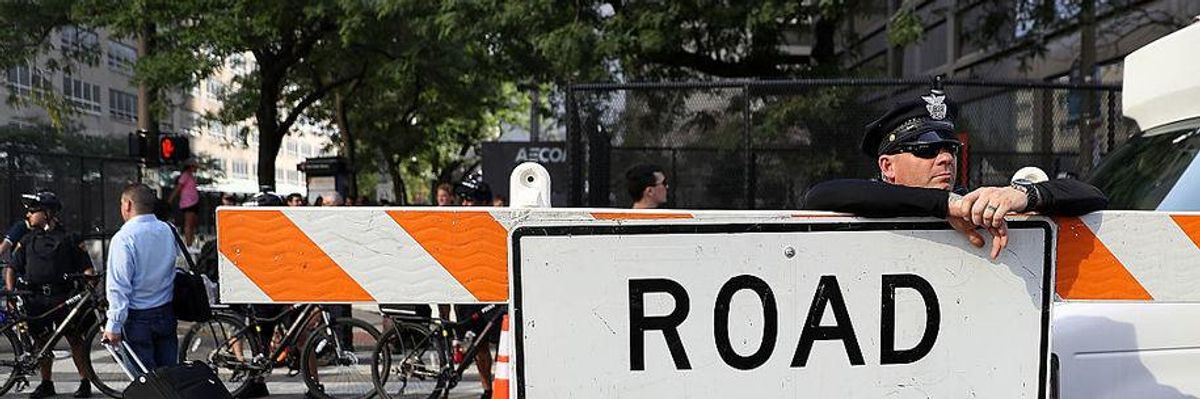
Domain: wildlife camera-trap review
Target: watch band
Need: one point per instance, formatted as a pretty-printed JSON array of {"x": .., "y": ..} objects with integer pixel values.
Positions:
[{"x": 1033, "y": 197}]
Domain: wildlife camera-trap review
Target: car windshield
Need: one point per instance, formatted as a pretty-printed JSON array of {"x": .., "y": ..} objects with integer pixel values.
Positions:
[{"x": 1148, "y": 172}]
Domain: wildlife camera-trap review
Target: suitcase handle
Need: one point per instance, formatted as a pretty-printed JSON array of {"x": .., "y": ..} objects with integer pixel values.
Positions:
[{"x": 122, "y": 354}]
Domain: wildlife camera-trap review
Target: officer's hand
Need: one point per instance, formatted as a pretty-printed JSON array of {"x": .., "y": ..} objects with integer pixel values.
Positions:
[
  {"x": 112, "y": 338},
  {"x": 999, "y": 235},
  {"x": 986, "y": 206},
  {"x": 959, "y": 218},
  {"x": 967, "y": 229}
]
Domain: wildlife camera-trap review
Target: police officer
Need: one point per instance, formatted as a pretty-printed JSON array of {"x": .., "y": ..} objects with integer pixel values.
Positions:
[
  {"x": 473, "y": 317},
  {"x": 916, "y": 149},
  {"x": 41, "y": 258}
]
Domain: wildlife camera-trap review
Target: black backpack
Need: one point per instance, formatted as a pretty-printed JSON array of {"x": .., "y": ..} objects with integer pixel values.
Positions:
[
  {"x": 191, "y": 296},
  {"x": 50, "y": 254}
]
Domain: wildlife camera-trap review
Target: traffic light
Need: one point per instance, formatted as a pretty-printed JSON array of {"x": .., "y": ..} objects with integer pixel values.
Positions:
[
  {"x": 173, "y": 149},
  {"x": 159, "y": 149}
]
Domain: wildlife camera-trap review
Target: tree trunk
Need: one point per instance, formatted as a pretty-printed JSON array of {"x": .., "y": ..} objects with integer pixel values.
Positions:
[
  {"x": 399, "y": 189},
  {"x": 343, "y": 122},
  {"x": 270, "y": 138},
  {"x": 146, "y": 94}
]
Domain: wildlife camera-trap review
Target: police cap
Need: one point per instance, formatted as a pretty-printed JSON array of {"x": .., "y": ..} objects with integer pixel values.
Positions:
[{"x": 925, "y": 120}]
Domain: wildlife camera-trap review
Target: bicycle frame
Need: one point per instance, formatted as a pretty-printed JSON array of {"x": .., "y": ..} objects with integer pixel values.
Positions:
[
  {"x": 77, "y": 303},
  {"x": 291, "y": 334},
  {"x": 473, "y": 346}
]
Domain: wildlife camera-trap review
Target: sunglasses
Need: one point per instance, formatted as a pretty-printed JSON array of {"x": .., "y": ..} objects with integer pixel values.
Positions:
[{"x": 928, "y": 150}]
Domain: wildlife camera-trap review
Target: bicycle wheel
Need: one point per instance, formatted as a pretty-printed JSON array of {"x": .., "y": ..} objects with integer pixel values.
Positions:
[
  {"x": 410, "y": 361},
  {"x": 10, "y": 351},
  {"x": 225, "y": 345},
  {"x": 101, "y": 369},
  {"x": 336, "y": 359}
]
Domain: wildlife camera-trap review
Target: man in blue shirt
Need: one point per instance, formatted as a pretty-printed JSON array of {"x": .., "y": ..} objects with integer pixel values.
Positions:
[{"x": 141, "y": 281}]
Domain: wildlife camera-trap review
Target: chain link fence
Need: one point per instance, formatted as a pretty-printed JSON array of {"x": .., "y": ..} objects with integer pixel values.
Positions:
[{"x": 761, "y": 144}]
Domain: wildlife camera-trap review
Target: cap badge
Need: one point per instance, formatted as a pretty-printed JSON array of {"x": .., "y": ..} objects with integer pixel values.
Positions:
[{"x": 935, "y": 104}]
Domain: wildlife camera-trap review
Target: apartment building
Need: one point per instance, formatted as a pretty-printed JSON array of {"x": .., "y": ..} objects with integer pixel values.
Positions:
[{"x": 105, "y": 104}]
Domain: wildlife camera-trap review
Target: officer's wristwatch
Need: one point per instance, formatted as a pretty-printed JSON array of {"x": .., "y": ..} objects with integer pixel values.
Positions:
[{"x": 1032, "y": 196}]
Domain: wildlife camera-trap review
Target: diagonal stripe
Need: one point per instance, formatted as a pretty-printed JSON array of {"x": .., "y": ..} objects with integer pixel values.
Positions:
[
  {"x": 278, "y": 257},
  {"x": 1190, "y": 224},
  {"x": 1087, "y": 269},
  {"x": 471, "y": 245},
  {"x": 379, "y": 255},
  {"x": 1154, "y": 249},
  {"x": 638, "y": 215},
  {"x": 235, "y": 287}
]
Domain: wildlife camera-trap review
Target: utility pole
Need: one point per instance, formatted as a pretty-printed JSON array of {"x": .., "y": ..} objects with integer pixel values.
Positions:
[{"x": 1088, "y": 148}]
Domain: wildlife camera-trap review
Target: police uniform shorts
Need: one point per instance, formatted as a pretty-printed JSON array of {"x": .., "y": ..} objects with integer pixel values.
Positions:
[
  {"x": 35, "y": 305},
  {"x": 474, "y": 318}
]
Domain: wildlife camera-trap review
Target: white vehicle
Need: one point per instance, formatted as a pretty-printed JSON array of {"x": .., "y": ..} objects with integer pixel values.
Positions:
[{"x": 1143, "y": 349}]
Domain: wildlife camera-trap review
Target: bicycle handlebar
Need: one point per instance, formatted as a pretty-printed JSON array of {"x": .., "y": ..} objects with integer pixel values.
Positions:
[
  {"x": 17, "y": 293},
  {"x": 82, "y": 276}
]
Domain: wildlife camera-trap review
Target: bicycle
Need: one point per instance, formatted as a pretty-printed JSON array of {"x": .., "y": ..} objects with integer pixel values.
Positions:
[
  {"x": 415, "y": 357},
  {"x": 331, "y": 360},
  {"x": 20, "y": 353}
]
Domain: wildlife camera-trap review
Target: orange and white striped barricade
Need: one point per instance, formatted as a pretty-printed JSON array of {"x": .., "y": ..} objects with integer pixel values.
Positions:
[{"x": 777, "y": 301}]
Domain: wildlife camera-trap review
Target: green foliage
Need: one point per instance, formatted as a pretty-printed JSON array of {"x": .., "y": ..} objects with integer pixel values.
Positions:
[
  {"x": 905, "y": 28},
  {"x": 45, "y": 138}
]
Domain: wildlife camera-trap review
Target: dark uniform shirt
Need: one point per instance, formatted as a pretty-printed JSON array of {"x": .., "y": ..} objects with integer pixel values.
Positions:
[
  {"x": 43, "y": 256},
  {"x": 870, "y": 198},
  {"x": 16, "y": 232}
]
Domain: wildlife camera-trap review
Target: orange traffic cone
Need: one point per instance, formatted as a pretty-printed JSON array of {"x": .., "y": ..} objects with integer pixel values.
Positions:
[{"x": 500, "y": 374}]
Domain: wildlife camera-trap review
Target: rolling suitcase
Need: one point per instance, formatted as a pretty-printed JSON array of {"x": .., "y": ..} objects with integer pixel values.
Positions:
[{"x": 187, "y": 380}]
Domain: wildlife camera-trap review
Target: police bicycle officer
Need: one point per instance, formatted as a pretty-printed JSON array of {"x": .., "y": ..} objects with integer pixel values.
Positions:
[{"x": 40, "y": 261}]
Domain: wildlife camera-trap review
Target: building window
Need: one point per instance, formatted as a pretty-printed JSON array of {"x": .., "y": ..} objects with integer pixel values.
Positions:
[
  {"x": 214, "y": 89},
  {"x": 79, "y": 40},
  {"x": 83, "y": 95},
  {"x": 122, "y": 105},
  {"x": 22, "y": 80},
  {"x": 293, "y": 148},
  {"x": 121, "y": 57},
  {"x": 240, "y": 169}
]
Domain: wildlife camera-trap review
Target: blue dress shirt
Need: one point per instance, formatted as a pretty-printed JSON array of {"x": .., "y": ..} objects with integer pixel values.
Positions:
[{"x": 141, "y": 268}]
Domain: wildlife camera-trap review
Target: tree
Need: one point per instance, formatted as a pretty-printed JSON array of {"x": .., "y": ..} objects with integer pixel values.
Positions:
[{"x": 426, "y": 87}]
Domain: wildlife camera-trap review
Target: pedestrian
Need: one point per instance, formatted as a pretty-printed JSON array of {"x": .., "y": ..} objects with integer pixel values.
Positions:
[
  {"x": 228, "y": 199},
  {"x": 444, "y": 195},
  {"x": 140, "y": 282},
  {"x": 332, "y": 198},
  {"x": 473, "y": 317},
  {"x": 916, "y": 149},
  {"x": 500, "y": 201},
  {"x": 647, "y": 185},
  {"x": 189, "y": 200},
  {"x": 295, "y": 199},
  {"x": 42, "y": 258}
]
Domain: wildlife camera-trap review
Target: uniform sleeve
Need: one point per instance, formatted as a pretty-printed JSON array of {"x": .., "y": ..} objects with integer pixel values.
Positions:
[
  {"x": 18, "y": 260},
  {"x": 1069, "y": 197},
  {"x": 875, "y": 199},
  {"x": 15, "y": 232}
]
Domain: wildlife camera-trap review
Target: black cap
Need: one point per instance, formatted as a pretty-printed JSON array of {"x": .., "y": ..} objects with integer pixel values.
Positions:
[
  {"x": 474, "y": 189},
  {"x": 44, "y": 200},
  {"x": 912, "y": 122}
]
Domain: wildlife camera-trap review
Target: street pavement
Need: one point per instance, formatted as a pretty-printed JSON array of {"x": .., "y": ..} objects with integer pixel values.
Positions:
[{"x": 278, "y": 383}]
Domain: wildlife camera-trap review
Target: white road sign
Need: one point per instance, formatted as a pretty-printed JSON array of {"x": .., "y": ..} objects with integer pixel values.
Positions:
[{"x": 830, "y": 310}]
